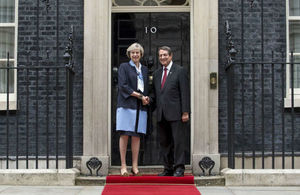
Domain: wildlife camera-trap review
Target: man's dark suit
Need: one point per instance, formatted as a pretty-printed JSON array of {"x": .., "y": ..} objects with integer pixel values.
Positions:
[{"x": 171, "y": 101}]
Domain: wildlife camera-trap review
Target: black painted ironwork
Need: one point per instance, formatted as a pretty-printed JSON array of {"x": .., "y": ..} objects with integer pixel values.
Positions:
[
  {"x": 69, "y": 63},
  {"x": 7, "y": 111},
  {"x": 262, "y": 85},
  {"x": 243, "y": 81},
  {"x": 275, "y": 105},
  {"x": 260, "y": 73},
  {"x": 282, "y": 111},
  {"x": 44, "y": 92},
  {"x": 47, "y": 114},
  {"x": 37, "y": 85},
  {"x": 251, "y": 3},
  {"x": 273, "y": 112},
  {"x": 231, "y": 52},
  {"x": 253, "y": 113},
  {"x": 47, "y": 3},
  {"x": 94, "y": 164},
  {"x": 256, "y": 98},
  {"x": 68, "y": 54},
  {"x": 292, "y": 65},
  {"x": 17, "y": 125},
  {"x": 57, "y": 71},
  {"x": 13, "y": 123},
  {"x": 206, "y": 164},
  {"x": 57, "y": 75},
  {"x": 27, "y": 110}
]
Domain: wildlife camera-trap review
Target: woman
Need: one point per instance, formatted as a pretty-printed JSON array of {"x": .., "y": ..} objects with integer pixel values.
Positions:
[{"x": 131, "y": 109}]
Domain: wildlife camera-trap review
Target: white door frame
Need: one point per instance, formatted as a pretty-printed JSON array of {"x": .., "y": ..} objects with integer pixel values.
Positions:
[{"x": 147, "y": 9}]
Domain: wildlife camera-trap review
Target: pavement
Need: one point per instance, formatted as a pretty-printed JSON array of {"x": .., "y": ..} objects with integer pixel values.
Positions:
[
  {"x": 96, "y": 190},
  {"x": 254, "y": 190}
]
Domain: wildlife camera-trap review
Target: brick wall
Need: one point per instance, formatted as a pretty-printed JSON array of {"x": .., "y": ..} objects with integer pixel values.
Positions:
[{"x": 44, "y": 53}]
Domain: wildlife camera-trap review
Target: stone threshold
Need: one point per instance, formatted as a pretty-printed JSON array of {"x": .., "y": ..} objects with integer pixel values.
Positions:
[
  {"x": 145, "y": 170},
  {"x": 199, "y": 181}
]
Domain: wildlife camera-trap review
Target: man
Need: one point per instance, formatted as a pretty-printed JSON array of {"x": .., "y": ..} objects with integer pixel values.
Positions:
[{"x": 172, "y": 100}]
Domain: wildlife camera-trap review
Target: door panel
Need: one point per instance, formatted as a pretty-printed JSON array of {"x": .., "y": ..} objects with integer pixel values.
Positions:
[{"x": 151, "y": 30}]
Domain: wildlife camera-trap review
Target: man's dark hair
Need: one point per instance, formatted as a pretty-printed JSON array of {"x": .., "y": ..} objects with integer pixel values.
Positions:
[{"x": 166, "y": 48}]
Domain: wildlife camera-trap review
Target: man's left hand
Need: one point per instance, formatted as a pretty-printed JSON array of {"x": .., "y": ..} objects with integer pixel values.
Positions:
[
  {"x": 145, "y": 100},
  {"x": 185, "y": 117}
]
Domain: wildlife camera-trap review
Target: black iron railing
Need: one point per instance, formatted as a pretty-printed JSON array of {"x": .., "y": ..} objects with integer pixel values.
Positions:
[
  {"x": 262, "y": 117},
  {"x": 37, "y": 125},
  {"x": 262, "y": 114}
]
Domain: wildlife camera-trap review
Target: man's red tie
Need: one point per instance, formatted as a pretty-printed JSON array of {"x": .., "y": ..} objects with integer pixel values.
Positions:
[{"x": 164, "y": 77}]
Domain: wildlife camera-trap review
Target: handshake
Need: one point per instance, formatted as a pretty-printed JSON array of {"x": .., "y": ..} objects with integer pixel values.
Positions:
[{"x": 145, "y": 100}]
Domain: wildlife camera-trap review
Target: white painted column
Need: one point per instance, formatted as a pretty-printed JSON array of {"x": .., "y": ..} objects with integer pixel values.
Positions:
[
  {"x": 96, "y": 97},
  {"x": 204, "y": 99}
]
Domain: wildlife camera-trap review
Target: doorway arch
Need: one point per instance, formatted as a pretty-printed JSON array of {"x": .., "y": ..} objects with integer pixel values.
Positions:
[{"x": 97, "y": 81}]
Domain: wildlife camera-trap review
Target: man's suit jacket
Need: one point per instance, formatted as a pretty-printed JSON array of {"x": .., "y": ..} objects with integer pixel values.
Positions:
[{"x": 174, "y": 98}]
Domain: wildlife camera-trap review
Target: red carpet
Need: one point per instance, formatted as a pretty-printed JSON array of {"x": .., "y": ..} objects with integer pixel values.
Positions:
[{"x": 150, "y": 184}]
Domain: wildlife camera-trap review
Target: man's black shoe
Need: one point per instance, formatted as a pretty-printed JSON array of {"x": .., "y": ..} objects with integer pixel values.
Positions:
[
  {"x": 166, "y": 173},
  {"x": 179, "y": 172}
]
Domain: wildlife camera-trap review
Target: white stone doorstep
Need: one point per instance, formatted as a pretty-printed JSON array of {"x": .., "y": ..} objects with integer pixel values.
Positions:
[
  {"x": 261, "y": 177},
  {"x": 39, "y": 177}
]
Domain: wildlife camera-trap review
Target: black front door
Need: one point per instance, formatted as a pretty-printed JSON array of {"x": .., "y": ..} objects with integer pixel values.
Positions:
[{"x": 151, "y": 30}]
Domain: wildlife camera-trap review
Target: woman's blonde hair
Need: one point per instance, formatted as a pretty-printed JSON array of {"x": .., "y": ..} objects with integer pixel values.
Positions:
[{"x": 133, "y": 47}]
